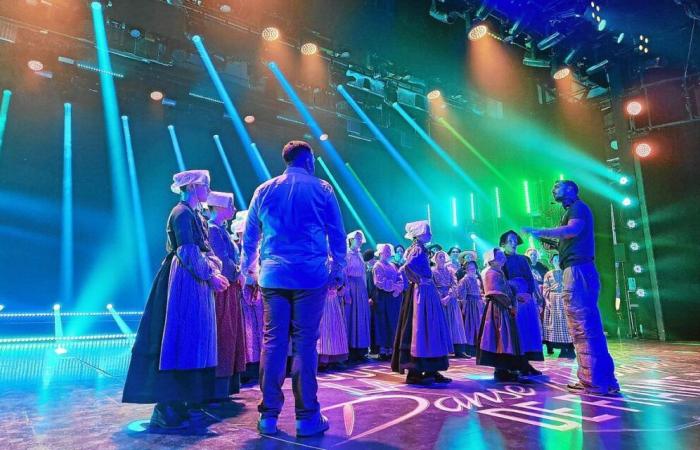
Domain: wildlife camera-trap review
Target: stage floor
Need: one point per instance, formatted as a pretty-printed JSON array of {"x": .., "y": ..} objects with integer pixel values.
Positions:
[{"x": 72, "y": 401}]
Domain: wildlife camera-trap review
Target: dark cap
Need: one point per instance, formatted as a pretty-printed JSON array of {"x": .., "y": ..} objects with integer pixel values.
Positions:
[{"x": 504, "y": 236}]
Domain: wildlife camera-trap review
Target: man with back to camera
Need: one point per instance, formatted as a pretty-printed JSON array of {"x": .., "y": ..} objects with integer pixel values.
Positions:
[
  {"x": 297, "y": 217},
  {"x": 576, "y": 246}
]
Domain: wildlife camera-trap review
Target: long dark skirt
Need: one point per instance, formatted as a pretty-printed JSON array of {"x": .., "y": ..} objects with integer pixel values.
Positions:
[
  {"x": 145, "y": 382},
  {"x": 498, "y": 345},
  {"x": 401, "y": 359},
  {"x": 387, "y": 309}
]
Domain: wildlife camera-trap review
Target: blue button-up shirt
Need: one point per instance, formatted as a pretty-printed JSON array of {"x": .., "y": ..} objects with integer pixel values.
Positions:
[{"x": 298, "y": 219}]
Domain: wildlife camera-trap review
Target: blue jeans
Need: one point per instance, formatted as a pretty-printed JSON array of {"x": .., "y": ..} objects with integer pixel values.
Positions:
[
  {"x": 296, "y": 313},
  {"x": 596, "y": 369}
]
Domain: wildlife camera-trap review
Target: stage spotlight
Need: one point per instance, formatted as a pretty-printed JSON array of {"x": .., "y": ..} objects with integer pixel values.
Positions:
[
  {"x": 626, "y": 201},
  {"x": 156, "y": 96},
  {"x": 473, "y": 236},
  {"x": 637, "y": 268},
  {"x": 478, "y": 32},
  {"x": 620, "y": 37},
  {"x": 323, "y": 137},
  {"x": 631, "y": 224},
  {"x": 2, "y": 307},
  {"x": 224, "y": 8},
  {"x": 135, "y": 33},
  {"x": 642, "y": 149},
  {"x": 551, "y": 40},
  {"x": 432, "y": 95},
  {"x": 602, "y": 24},
  {"x": 35, "y": 65},
  {"x": 249, "y": 119},
  {"x": 561, "y": 73},
  {"x": 56, "y": 307},
  {"x": 61, "y": 350},
  {"x": 641, "y": 292},
  {"x": 309, "y": 49},
  {"x": 270, "y": 34},
  {"x": 634, "y": 246},
  {"x": 109, "y": 306},
  {"x": 634, "y": 108},
  {"x": 624, "y": 180},
  {"x": 614, "y": 145}
]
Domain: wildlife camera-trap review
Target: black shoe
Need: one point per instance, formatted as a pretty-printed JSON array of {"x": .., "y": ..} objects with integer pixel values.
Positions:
[
  {"x": 419, "y": 380},
  {"x": 166, "y": 417},
  {"x": 462, "y": 355},
  {"x": 441, "y": 379},
  {"x": 530, "y": 371},
  {"x": 504, "y": 375}
]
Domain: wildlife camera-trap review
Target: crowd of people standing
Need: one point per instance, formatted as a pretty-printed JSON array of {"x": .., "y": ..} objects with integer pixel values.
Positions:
[{"x": 281, "y": 289}]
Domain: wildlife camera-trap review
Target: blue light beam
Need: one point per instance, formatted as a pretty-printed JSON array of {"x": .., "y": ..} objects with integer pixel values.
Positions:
[
  {"x": 346, "y": 200},
  {"x": 4, "y": 110},
  {"x": 144, "y": 258},
  {"x": 224, "y": 159},
  {"x": 176, "y": 148},
  {"x": 125, "y": 329},
  {"x": 260, "y": 170},
  {"x": 67, "y": 265},
  {"x": 437, "y": 149},
  {"x": 393, "y": 152},
  {"x": 326, "y": 144}
]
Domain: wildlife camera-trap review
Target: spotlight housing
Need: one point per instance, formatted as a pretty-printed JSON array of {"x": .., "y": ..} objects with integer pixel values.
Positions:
[
  {"x": 57, "y": 307},
  {"x": 641, "y": 292},
  {"x": 309, "y": 49},
  {"x": 270, "y": 34},
  {"x": 626, "y": 201},
  {"x": 624, "y": 180},
  {"x": 249, "y": 119},
  {"x": 634, "y": 246},
  {"x": 157, "y": 96},
  {"x": 642, "y": 149},
  {"x": 323, "y": 137},
  {"x": 35, "y": 65},
  {"x": 432, "y": 95},
  {"x": 561, "y": 73},
  {"x": 637, "y": 268},
  {"x": 634, "y": 108},
  {"x": 477, "y": 32},
  {"x": 631, "y": 224}
]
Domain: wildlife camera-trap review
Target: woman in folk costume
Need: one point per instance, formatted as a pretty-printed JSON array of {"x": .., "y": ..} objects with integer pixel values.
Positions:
[
  {"x": 446, "y": 284},
  {"x": 332, "y": 344},
  {"x": 422, "y": 341},
  {"x": 470, "y": 291},
  {"x": 453, "y": 264},
  {"x": 356, "y": 299},
  {"x": 369, "y": 257},
  {"x": 498, "y": 343},
  {"x": 519, "y": 274},
  {"x": 555, "y": 329},
  {"x": 387, "y": 300},
  {"x": 252, "y": 307},
  {"x": 231, "y": 347},
  {"x": 174, "y": 357},
  {"x": 464, "y": 258}
]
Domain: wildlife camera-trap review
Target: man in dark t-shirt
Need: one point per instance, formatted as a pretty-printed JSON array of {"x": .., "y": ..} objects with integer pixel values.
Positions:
[{"x": 576, "y": 246}]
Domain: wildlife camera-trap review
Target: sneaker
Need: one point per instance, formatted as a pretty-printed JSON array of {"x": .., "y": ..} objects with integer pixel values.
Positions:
[
  {"x": 267, "y": 426},
  {"x": 580, "y": 388},
  {"x": 310, "y": 427}
]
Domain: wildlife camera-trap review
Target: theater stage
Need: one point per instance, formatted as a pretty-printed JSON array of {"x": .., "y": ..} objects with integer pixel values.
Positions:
[{"x": 72, "y": 401}]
